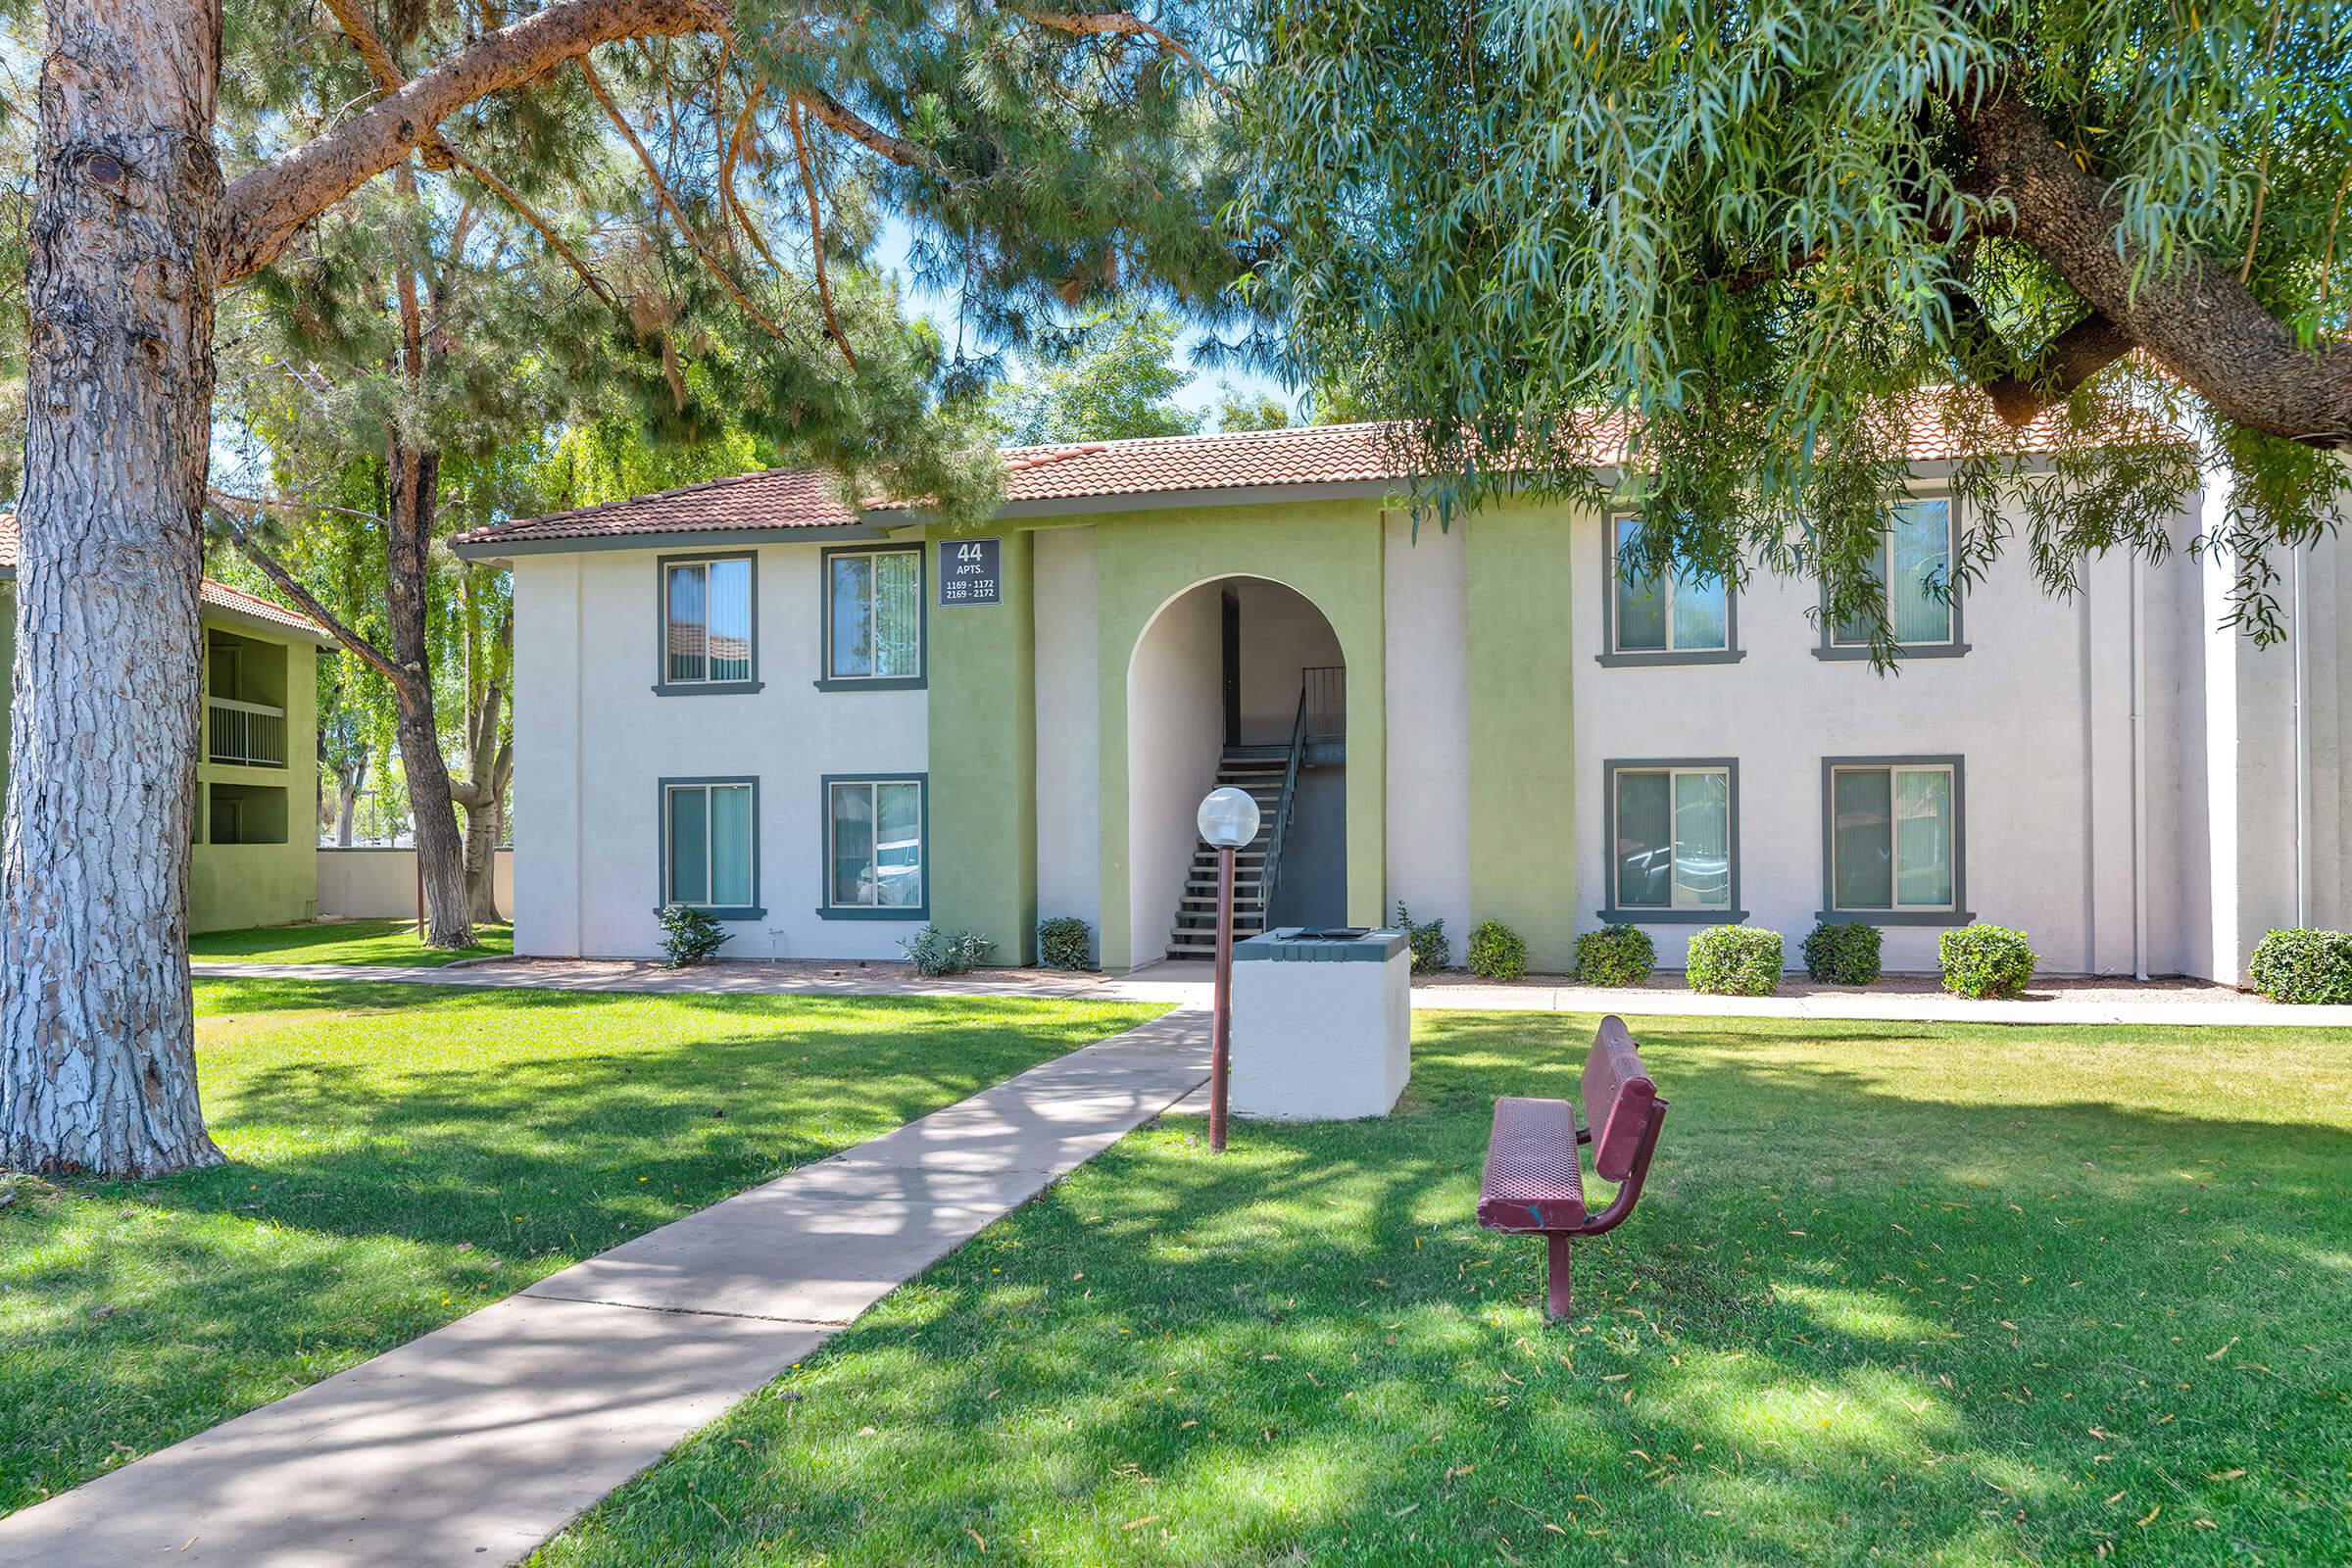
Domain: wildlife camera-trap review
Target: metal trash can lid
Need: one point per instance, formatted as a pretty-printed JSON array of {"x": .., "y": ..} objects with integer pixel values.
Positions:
[{"x": 1305, "y": 943}]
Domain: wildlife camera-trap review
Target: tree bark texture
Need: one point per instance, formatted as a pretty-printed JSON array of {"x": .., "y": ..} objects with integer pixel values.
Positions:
[
  {"x": 97, "y": 1048},
  {"x": 432, "y": 809}
]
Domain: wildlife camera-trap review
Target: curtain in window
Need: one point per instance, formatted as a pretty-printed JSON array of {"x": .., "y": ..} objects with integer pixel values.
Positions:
[
  {"x": 898, "y": 615},
  {"x": 730, "y": 619},
  {"x": 687, "y": 623},
  {"x": 1641, "y": 603},
  {"x": 899, "y": 845},
  {"x": 1923, "y": 837},
  {"x": 853, "y": 839},
  {"x": 1922, "y": 606},
  {"x": 1645, "y": 840},
  {"x": 1861, "y": 858},
  {"x": 689, "y": 847},
  {"x": 731, "y": 845},
  {"x": 1702, "y": 839}
]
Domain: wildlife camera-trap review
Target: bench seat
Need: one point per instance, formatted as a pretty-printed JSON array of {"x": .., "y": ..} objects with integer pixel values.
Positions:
[{"x": 1533, "y": 1181}]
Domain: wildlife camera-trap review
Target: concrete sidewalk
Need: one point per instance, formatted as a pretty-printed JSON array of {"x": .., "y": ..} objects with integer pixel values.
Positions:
[
  {"x": 479, "y": 1441},
  {"x": 1901, "y": 1000}
]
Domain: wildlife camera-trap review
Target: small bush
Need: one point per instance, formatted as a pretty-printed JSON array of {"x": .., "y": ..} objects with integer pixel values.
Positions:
[
  {"x": 1497, "y": 951},
  {"x": 1985, "y": 960},
  {"x": 1735, "y": 960},
  {"x": 1066, "y": 943},
  {"x": 2304, "y": 966},
  {"x": 690, "y": 935},
  {"x": 1843, "y": 952},
  {"x": 1431, "y": 948},
  {"x": 1615, "y": 956},
  {"x": 935, "y": 953}
]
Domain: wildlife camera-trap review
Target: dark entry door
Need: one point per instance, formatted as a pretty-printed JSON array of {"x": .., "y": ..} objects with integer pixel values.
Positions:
[{"x": 1233, "y": 669}]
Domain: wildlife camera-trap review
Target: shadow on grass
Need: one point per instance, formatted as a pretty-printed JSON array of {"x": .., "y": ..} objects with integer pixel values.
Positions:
[
  {"x": 1884, "y": 1300},
  {"x": 402, "y": 1158}
]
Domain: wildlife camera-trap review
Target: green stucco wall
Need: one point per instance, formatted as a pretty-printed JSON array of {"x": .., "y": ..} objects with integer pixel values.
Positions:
[
  {"x": 1521, "y": 729},
  {"x": 1331, "y": 553},
  {"x": 232, "y": 886},
  {"x": 983, "y": 743}
]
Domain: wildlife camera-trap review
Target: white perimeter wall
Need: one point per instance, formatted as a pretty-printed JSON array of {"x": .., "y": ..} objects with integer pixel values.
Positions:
[
  {"x": 1069, "y": 728},
  {"x": 592, "y": 741},
  {"x": 1175, "y": 733},
  {"x": 364, "y": 883},
  {"x": 1426, "y": 612}
]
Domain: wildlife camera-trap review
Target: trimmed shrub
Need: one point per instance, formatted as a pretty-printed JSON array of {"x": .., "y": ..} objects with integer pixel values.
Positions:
[
  {"x": 2304, "y": 966},
  {"x": 690, "y": 935},
  {"x": 1843, "y": 952},
  {"x": 1431, "y": 948},
  {"x": 1066, "y": 943},
  {"x": 1615, "y": 956},
  {"x": 1985, "y": 960},
  {"x": 935, "y": 953},
  {"x": 1735, "y": 960},
  {"x": 1497, "y": 951}
]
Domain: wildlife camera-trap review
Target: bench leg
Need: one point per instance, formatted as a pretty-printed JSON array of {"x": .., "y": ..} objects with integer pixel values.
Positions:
[{"x": 1557, "y": 1278}]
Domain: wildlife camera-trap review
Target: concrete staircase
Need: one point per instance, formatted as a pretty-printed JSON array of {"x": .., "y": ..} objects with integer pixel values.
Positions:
[{"x": 1261, "y": 770}]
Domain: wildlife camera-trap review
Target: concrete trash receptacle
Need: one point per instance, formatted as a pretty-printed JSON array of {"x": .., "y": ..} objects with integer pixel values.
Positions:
[{"x": 1322, "y": 1023}]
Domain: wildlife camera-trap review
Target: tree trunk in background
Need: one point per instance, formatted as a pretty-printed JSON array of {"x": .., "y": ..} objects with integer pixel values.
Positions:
[
  {"x": 432, "y": 810},
  {"x": 349, "y": 781},
  {"x": 482, "y": 824},
  {"x": 489, "y": 770},
  {"x": 97, "y": 1036}
]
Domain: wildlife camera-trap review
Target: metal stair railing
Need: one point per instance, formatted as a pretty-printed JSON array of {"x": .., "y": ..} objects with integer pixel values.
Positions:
[{"x": 1284, "y": 808}]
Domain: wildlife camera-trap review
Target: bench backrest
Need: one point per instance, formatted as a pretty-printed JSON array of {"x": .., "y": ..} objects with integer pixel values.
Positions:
[{"x": 1619, "y": 1099}]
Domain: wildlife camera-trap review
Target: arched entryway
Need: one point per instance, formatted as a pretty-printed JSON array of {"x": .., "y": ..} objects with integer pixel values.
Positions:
[{"x": 1242, "y": 680}]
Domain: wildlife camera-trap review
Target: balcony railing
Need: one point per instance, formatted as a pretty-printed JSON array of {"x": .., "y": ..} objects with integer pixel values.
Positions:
[{"x": 249, "y": 734}]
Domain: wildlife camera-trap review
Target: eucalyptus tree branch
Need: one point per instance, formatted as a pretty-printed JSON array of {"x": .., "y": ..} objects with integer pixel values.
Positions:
[
  {"x": 231, "y": 509},
  {"x": 669, "y": 204},
  {"x": 816, "y": 239},
  {"x": 2066, "y": 362},
  {"x": 2194, "y": 318},
  {"x": 265, "y": 209}
]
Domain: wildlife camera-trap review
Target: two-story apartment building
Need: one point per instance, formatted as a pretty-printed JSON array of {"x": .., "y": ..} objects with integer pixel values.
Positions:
[
  {"x": 255, "y": 859},
  {"x": 830, "y": 725}
]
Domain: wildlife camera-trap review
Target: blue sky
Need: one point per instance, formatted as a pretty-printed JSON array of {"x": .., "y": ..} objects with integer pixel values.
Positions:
[{"x": 1207, "y": 385}]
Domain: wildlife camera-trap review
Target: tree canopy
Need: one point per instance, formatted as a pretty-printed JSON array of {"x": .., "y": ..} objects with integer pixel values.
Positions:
[{"x": 1762, "y": 244}]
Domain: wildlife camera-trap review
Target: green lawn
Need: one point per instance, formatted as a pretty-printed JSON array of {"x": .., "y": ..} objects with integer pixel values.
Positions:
[
  {"x": 403, "y": 1156},
  {"x": 1896, "y": 1294},
  {"x": 343, "y": 942}
]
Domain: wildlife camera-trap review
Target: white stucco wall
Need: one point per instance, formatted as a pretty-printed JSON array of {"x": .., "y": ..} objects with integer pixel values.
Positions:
[
  {"x": 380, "y": 883},
  {"x": 1283, "y": 633},
  {"x": 1069, "y": 726},
  {"x": 2038, "y": 710},
  {"x": 1175, "y": 733},
  {"x": 593, "y": 740},
  {"x": 1425, "y": 609}
]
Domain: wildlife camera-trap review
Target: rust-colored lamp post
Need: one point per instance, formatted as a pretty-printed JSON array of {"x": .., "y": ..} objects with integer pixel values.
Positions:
[{"x": 1228, "y": 819}]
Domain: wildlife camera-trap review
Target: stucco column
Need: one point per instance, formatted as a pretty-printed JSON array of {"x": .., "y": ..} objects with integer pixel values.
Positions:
[
  {"x": 1522, "y": 758},
  {"x": 983, "y": 717}
]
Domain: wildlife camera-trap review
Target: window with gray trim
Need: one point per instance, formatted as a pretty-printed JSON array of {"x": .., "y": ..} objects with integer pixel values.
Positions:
[
  {"x": 1893, "y": 836},
  {"x": 1664, "y": 616},
  {"x": 1674, "y": 839},
  {"x": 874, "y": 616},
  {"x": 710, "y": 844},
  {"x": 1914, "y": 568},
  {"x": 874, "y": 845},
  {"x": 708, "y": 622}
]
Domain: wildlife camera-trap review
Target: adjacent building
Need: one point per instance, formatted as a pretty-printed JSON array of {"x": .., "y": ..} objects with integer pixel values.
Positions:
[
  {"x": 255, "y": 856},
  {"x": 830, "y": 725}
]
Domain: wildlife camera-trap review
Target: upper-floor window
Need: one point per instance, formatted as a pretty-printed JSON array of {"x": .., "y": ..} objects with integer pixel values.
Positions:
[
  {"x": 1664, "y": 616},
  {"x": 1673, "y": 840},
  {"x": 1913, "y": 567},
  {"x": 1892, "y": 837},
  {"x": 874, "y": 618},
  {"x": 708, "y": 626}
]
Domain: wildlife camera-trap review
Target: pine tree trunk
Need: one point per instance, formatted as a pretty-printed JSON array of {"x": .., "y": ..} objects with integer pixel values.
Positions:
[
  {"x": 440, "y": 850},
  {"x": 97, "y": 1038}
]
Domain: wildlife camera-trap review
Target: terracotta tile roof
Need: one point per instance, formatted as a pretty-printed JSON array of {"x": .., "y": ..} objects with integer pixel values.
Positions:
[
  {"x": 1242, "y": 459},
  {"x": 220, "y": 595},
  {"x": 774, "y": 498}
]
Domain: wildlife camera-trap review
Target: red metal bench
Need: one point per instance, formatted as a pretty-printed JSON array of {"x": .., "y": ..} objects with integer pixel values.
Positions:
[{"x": 1533, "y": 1182}]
